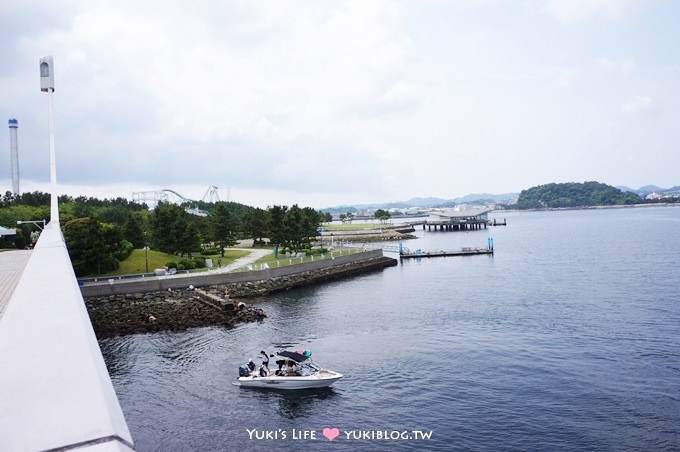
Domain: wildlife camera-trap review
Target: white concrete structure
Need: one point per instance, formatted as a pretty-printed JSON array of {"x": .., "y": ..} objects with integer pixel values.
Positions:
[
  {"x": 55, "y": 391},
  {"x": 47, "y": 85},
  {"x": 47, "y": 74},
  {"x": 480, "y": 214},
  {"x": 14, "y": 150}
]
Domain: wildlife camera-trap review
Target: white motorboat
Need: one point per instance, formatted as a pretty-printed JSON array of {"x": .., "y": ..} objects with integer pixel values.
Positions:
[{"x": 296, "y": 370}]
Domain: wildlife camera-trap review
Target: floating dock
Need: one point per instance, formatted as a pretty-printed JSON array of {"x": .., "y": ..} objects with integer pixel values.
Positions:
[
  {"x": 463, "y": 252},
  {"x": 497, "y": 223}
]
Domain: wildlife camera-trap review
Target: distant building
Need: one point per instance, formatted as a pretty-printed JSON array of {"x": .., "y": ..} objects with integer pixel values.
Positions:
[
  {"x": 14, "y": 150},
  {"x": 455, "y": 215}
]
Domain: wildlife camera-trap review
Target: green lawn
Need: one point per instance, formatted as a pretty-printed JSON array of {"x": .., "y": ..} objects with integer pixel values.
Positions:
[
  {"x": 282, "y": 261},
  {"x": 136, "y": 263},
  {"x": 354, "y": 226}
]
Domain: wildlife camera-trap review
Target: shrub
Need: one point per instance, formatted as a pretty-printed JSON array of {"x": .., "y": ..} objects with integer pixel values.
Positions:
[
  {"x": 199, "y": 262},
  {"x": 187, "y": 264},
  {"x": 209, "y": 251},
  {"x": 124, "y": 251},
  {"x": 310, "y": 252},
  {"x": 171, "y": 264}
]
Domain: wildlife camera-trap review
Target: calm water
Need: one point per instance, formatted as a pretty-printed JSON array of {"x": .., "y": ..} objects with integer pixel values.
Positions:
[{"x": 568, "y": 338}]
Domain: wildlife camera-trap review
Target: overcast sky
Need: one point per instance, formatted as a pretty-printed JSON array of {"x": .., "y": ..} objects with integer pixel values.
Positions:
[{"x": 322, "y": 103}]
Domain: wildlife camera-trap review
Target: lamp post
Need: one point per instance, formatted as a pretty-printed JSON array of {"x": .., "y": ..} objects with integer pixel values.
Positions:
[
  {"x": 34, "y": 235},
  {"x": 146, "y": 252},
  {"x": 47, "y": 85},
  {"x": 34, "y": 222}
]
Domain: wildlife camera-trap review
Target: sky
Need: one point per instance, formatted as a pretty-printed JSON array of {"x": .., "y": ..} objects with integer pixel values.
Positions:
[{"x": 325, "y": 103}]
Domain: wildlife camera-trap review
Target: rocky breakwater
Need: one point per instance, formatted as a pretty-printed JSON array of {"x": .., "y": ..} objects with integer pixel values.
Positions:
[
  {"x": 176, "y": 303},
  {"x": 271, "y": 284},
  {"x": 173, "y": 310},
  {"x": 390, "y": 233}
]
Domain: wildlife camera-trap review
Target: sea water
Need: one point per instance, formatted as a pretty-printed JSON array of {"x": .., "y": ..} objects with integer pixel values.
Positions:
[{"x": 567, "y": 338}]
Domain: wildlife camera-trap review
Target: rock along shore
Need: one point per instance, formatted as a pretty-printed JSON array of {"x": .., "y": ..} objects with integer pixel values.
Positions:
[{"x": 127, "y": 307}]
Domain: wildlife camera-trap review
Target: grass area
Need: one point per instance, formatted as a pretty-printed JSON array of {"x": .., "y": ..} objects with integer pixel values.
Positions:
[
  {"x": 136, "y": 263},
  {"x": 282, "y": 261},
  {"x": 355, "y": 226}
]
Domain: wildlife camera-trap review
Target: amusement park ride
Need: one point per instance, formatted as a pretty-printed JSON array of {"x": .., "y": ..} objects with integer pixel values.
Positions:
[{"x": 152, "y": 198}]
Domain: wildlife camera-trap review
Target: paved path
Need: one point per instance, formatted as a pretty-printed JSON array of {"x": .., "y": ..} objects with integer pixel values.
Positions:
[
  {"x": 12, "y": 263},
  {"x": 254, "y": 255}
]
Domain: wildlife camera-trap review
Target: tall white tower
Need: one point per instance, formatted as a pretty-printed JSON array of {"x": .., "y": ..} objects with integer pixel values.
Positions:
[{"x": 13, "y": 126}]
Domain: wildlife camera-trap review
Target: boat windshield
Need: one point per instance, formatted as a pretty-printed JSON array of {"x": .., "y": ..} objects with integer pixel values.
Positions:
[{"x": 307, "y": 369}]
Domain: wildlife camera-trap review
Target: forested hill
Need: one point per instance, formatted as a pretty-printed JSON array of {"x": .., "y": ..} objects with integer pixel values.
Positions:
[{"x": 573, "y": 194}]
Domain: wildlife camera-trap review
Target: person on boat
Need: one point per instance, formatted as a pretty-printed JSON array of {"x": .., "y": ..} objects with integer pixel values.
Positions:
[
  {"x": 292, "y": 370},
  {"x": 251, "y": 366},
  {"x": 265, "y": 359},
  {"x": 263, "y": 372}
]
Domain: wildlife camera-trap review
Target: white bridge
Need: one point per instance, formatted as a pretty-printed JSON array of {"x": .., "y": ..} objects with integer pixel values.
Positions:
[{"x": 55, "y": 391}]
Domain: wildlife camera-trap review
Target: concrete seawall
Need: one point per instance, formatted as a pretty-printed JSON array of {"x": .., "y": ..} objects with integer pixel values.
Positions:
[
  {"x": 242, "y": 284},
  {"x": 166, "y": 303}
]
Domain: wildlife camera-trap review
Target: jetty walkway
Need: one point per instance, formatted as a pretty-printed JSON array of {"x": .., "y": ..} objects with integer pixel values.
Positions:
[{"x": 12, "y": 264}]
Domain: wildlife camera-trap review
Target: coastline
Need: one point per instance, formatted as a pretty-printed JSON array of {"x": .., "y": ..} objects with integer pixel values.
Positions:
[
  {"x": 127, "y": 308},
  {"x": 620, "y": 206}
]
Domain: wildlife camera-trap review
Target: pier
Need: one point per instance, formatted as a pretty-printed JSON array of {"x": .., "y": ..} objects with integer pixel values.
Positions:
[
  {"x": 462, "y": 252},
  {"x": 454, "y": 225},
  {"x": 456, "y": 220},
  {"x": 467, "y": 251}
]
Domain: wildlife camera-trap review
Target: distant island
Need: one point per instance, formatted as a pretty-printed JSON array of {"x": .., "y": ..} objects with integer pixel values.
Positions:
[
  {"x": 547, "y": 196},
  {"x": 572, "y": 194}
]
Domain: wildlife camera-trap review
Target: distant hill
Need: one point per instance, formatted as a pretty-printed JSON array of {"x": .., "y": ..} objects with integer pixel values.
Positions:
[
  {"x": 573, "y": 194},
  {"x": 642, "y": 191},
  {"x": 426, "y": 202},
  {"x": 647, "y": 189},
  {"x": 585, "y": 194}
]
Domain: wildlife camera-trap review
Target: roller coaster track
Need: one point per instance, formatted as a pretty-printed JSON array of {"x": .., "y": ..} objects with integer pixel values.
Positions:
[{"x": 153, "y": 197}]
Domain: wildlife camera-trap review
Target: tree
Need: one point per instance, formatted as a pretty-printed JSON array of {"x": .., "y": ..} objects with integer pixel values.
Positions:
[
  {"x": 172, "y": 230},
  {"x": 294, "y": 228},
  {"x": 255, "y": 224},
  {"x": 311, "y": 220},
  {"x": 132, "y": 231},
  {"x": 383, "y": 215},
  {"x": 222, "y": 227},
  {"x": 188, "y": 239},
  {"x": 276, "y": 227},
  {"x": 91, "y": 245}
]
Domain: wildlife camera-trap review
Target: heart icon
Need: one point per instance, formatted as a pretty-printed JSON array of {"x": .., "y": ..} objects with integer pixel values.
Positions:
[{"x": 331, "y": 433}]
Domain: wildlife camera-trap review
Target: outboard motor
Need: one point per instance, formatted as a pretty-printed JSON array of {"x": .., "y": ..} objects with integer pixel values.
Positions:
[{"x": 243, "y": 371}]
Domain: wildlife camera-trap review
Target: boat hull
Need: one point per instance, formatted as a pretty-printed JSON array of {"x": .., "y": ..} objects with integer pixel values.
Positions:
[{"x": 321, "y": 379}]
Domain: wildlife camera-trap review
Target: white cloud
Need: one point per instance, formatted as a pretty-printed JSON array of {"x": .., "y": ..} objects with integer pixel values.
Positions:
[
  {"x": 339, "y": 99},
  {"x": 636, "y": 103},
  {"x": 568, "y": 11},
  {"x": 623, "y": 67},
  {"x": 565, "y": 78}
]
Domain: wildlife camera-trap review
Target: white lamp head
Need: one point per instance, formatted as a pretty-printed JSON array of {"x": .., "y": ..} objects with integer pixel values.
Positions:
[{"x": 46, "y": 74}]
